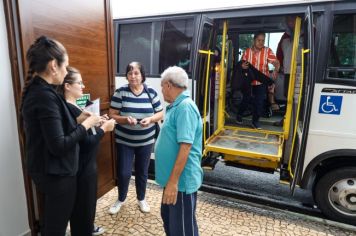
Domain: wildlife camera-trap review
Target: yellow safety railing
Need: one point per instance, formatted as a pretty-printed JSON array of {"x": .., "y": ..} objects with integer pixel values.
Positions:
[
  {"x": 293, "y": 72},
  {"x": 207, "y": 78},
  {"x": 297, "y": 115},
  {"x": 222, "y": 84}
]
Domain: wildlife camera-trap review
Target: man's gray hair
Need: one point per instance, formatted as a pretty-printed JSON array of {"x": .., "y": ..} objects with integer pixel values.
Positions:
[{"x": 176, "y": 76}]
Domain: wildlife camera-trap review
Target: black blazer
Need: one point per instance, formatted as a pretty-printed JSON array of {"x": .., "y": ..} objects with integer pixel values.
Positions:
[
  {"x": 51, "y": 132},
  {"x": 88, "y": 147}
]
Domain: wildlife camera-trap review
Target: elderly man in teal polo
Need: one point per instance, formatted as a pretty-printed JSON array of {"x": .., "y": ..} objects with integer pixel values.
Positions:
[{"x": 178, "y": 155}]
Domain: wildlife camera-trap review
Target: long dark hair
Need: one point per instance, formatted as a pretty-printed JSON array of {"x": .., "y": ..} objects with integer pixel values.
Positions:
[
  {"x": 70, "y": 78},
  {"x": 131, "y": 66},
  {"x": 42, "y": 51}
]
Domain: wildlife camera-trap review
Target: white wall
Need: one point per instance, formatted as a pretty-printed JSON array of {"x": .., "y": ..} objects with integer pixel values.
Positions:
[{"x": 13, "y": 209}]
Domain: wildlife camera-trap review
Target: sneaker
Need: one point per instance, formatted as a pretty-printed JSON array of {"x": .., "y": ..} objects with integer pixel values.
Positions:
[
  {"x": 256, "y": 125},
  {"x": 98, "y": 230},
  {"x": 144, "y": 207},
  {"x": 116, "y": 207},
  {"x": 239, "y": 120}
]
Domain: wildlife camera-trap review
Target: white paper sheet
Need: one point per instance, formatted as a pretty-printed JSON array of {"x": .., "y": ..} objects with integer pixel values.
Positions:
[{"x": 95, "y": 109}]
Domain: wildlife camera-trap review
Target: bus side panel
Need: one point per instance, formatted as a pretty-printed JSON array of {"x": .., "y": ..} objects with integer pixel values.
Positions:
[{"x": 330, "y": 129}]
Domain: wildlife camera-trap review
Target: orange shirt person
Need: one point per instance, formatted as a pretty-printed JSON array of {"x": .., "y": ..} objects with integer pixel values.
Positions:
[{"x": 258, "y": 56}]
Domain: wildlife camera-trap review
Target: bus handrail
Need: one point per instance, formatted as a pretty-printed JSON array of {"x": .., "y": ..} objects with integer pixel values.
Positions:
[
  {"x": 297, "y": 115},
  {"x": 209, "y": 53}
]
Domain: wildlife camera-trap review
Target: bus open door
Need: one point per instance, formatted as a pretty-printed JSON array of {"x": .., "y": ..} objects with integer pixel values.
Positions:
[
  {"x": 303, "y": 100},
  {"x": 238, "y": 145}
]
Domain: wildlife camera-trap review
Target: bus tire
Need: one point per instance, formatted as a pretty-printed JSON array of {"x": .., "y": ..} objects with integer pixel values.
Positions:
[{"x": 335, "y": 194}]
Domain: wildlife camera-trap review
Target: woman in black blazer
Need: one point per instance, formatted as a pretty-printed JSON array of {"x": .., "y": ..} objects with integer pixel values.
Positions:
[
  {"x": 82, "y": 219},
  {"x": 52, "y": 134}
]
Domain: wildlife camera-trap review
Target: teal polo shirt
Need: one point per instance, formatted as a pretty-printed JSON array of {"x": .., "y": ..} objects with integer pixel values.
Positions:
[{"x": 182, "y": 124}]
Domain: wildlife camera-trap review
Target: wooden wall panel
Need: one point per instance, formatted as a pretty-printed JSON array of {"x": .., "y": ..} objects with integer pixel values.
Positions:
[{"x": 85, "y": 29}]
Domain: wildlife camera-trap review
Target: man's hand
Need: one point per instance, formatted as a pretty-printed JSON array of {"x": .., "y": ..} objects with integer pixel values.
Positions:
[{"x": 170, "y": 194}]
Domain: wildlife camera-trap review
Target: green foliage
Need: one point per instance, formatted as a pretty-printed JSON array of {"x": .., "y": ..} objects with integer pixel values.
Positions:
[
  {"x": 345, "y": 49},
  {"x": 245, "y": 41}
]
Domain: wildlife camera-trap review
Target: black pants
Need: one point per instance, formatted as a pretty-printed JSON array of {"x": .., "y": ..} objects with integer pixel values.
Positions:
[
  {"x": 125, "y": 157},
  {"x": 83, "y": 216},
  {"x": 59, "y": 195},
  {"x": 257, "y": 99}
]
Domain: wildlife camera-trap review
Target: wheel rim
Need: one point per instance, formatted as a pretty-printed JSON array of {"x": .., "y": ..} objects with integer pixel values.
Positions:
[{"x": 342, "y": 196}]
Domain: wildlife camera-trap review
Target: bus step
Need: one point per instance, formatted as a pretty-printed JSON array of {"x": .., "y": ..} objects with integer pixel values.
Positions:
[
  {"x": 209, "y": 163},
  {"x": 284, "y": 174}
]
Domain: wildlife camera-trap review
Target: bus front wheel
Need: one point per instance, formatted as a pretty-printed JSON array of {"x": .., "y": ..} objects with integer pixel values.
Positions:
[{"x": 335, "y": 194}]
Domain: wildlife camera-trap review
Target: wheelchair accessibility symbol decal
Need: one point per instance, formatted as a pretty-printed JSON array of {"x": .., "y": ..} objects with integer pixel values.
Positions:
[{"x": 330, "y": 104}]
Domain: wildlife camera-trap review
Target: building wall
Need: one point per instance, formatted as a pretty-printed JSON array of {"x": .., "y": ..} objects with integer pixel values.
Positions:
[{"x": 13, "y": 209}]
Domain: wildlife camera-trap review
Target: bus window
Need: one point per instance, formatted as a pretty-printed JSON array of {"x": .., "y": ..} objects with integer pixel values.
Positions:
[
  {"x": 135, "y": 45},
  {"x": 245, "y": 41},
  {"x": 176, "y": 44},
  {"x": 342, "y": 64},
  {"x": 157, "y": 45}
]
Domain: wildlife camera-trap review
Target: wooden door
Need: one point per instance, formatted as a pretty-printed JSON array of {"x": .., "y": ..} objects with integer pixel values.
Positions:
[{"x": 85, "y": 29}]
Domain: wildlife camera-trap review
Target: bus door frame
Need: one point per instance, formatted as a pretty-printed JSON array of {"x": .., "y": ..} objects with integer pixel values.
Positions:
[
  {"x": 204, "y": 20},
  {"x": 297, "y": 155}
]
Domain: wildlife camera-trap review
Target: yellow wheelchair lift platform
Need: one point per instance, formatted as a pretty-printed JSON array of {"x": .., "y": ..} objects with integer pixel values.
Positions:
[
  {"x": 239, "y": 145},
  {"x": 247, "y": 146}
]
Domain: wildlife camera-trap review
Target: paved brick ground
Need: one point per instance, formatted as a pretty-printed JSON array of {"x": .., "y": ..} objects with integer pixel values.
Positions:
[{"x": 216, "y": 216}]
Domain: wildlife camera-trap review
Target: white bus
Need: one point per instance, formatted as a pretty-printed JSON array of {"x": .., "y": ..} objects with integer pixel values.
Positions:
[{"x": 311, "y": 140}]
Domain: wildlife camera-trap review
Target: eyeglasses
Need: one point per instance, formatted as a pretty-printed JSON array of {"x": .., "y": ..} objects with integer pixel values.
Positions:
[{"x": 79, "y": 82}]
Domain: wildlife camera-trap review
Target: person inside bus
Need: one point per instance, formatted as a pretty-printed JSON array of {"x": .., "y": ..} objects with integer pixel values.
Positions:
[
  {"x": 136, "y": 108},
  {"x": 83, "y": 215},
  {"x": 258, "y": 56},
  {"x": 178, "y": 155},
  {"x": 284, "y": 55},
  {"x": 285, "y": 48},
  {"x": 51, "y": 134}
]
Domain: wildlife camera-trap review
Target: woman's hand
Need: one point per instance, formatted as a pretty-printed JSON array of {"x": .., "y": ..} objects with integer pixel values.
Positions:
[
  {"x": 244, "y": 65},
  {"x": 105, "y": 117},
  {"x": 146, "y": 121},
  {"x": 131, "y": 121},
  {"x": 91, "y": 121},
  {"x": 276, "y": 65},
  {"x": 84, "y": 115},
  {"x": 108, "y": 125},
  {"x": 275, "y": 74}
]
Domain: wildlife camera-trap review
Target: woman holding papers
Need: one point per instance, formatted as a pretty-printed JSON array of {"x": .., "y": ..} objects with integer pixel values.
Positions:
[
  {"x": 82, "y": 220},
  {"x": 51, "y": 134},
  {"x": 136, "y": 108}
]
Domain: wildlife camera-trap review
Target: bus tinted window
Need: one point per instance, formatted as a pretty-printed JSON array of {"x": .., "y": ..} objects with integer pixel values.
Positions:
[
  {"x": 342, "y": 64},
  {"x": 176, "y": 44},
  {"x": 134, "y": 45},
  {"x": 157, "y": 45}
]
